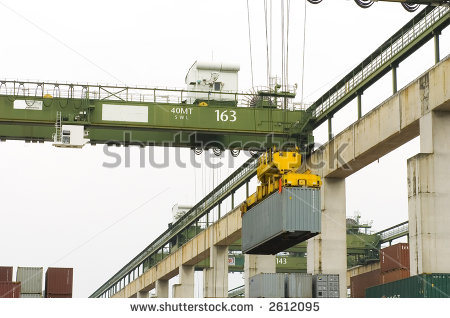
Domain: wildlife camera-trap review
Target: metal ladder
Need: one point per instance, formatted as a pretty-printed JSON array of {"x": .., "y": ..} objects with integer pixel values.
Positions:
[{"x": 58, "y": 128}]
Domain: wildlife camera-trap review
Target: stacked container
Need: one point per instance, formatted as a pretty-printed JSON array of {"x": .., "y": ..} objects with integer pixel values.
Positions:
[
  {"x": 359, "y": 283},
  {"x": 6, "y": 273},
  {"x": 31, "y": 280},
  {"x": 326, "y": 286},
  {"x": 267, "y": 286},
  {"x": 292, "y": 285},
  {"x": 394, "y": 263},
  {"x": 9, "y": 290},
  {"x": 419, "y": 286},
  {"x": 58, "y": 282},
  {"x": 298, "y": 285}
]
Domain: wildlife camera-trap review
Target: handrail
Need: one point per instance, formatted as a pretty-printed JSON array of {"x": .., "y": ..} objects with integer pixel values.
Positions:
[{"x": 404, "y": 42}]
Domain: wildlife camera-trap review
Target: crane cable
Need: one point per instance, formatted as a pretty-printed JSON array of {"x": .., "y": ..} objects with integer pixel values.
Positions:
[
  {"x": 267, "y": 45},
  {"x": 303, "y": 54},
  {"x": 250, "y": 41}
]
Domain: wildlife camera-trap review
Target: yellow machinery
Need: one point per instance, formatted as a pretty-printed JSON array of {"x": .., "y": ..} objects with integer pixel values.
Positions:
[{"x": 277, "y": 169}]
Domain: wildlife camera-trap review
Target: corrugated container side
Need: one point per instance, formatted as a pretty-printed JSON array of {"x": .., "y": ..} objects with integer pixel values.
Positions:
[
  {"x": 9, "y": 290},
  {"x": 359, "y": 283},
  {"x": 326, "y": 286},
  {"x": 298, "y": 285},
  {"x": 58, "y": 281},
  {"x": 6, "y": 273},
  {"x": 30, "y": 295},
  {"x": 394, "y": 257},
  {"x": 281, "y": 221},
  {"x": 419, "y": 286},
  {"x": 394, "y": 275},
  {"x": 267, "y": 286},
  {"x": 31, "y": 279}
]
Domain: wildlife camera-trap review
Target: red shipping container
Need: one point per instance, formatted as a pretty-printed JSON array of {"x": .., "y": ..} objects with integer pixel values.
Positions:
[
  {"x": 6, "y": 273},
  {"x": 394, "y": 275},
  {"x": 59, "y": 296},
  {"x": 9, "y": 290},
  {"x": 394, "y": 257},
  {"x": 359, "y": 283},
  {"x": 58, "y": 281}
]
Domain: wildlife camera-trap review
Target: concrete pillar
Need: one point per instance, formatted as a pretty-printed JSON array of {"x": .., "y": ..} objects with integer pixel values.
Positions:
[
  {"x": 257, "y": 264},
  {"x": 330, "y": 128},
  {"x": 162, "y": 288},
  {"x": 142, "y": 294},
  {"x": 327, "y": 252},
  {"x": 215, "y": 278},
  {"x": 185, "y": 289},
  {"x": 358, "y": 102},
  {"x": 429, "y": 197}
]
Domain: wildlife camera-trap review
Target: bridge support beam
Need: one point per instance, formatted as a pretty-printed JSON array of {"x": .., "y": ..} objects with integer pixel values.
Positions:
[
  {"x": 429, "y": 197},
  {"x": 215, "y": 278},
  {"x": 327, "y": 252},
  {"x": 142, "y": 294},
  {"x": 257, "y": 264},
  {"x": 162, "y": 288},
  {"x": 185, "y": 289}
]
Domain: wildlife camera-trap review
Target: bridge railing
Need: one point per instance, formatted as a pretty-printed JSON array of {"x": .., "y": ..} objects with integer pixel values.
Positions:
[{"x": 380, "y": 61}]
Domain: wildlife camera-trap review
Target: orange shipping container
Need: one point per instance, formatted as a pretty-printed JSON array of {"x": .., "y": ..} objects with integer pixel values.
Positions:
[{"x": 394, "y": 257}]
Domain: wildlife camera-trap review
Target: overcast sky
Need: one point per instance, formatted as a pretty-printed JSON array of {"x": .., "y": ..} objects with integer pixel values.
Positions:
[{"x": 60, "y": 207}]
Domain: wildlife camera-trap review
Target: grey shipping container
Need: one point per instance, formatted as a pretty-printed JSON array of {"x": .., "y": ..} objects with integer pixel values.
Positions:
[
  {"x": 281, "y": 220},
  {"x": 419, "y": 286},
  {"x": 30, "y": 295},
  {"x": 31, "y": 279},
  {"x": 267, "y": 286},
  {"x": 326, "y": 286},
  {"x": 298, "y": 285}
]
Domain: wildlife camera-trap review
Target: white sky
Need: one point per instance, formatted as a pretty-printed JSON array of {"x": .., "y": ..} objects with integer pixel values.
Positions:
[{"x": 60, "y": 207}]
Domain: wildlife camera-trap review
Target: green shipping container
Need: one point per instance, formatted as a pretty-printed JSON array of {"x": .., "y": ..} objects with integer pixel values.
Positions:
[{"x": 419, "y": 286}]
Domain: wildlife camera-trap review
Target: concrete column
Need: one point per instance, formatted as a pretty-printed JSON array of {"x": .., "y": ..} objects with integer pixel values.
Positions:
[
  {"x": 358, "y": 101},
  {"x": 142, "y": 294},
  {"x": 185, "y": 289},
  {"x": 215, "y": 278},
  {"x": 429, "y": 197},
  {"x": 327, "y": 252},
  {"x": 162, "y": 288},
  {"x": 257, "y": 264}
]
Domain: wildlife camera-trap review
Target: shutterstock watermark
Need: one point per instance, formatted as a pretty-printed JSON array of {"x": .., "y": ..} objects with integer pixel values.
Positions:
[{"x": 208, "y": 153}]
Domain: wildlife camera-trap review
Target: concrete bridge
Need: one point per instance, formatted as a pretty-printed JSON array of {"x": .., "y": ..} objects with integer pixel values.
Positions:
[{"x": 422, "y": 109}]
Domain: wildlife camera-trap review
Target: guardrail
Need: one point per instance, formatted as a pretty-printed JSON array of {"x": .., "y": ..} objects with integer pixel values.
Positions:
[
  {"x": 404, "y": 42},
  {"x": 135, "y": 267}
]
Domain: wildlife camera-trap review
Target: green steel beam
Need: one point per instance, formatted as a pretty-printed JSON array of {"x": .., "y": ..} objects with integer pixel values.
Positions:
[{"x": 402, "y": 44}]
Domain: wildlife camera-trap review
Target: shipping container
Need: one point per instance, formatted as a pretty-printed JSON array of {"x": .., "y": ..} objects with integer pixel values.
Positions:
[
  {"x": 419, "y": 286},
  {"x": 359, "y": 283},
  {"x": 6, "y": 273},
  {"x": 326, "y": 286},
  {"x": 394, "y": 257},
  {"x": 59, "y": 296},
  {"x": 31, "y": 279},
  {"x": 298, "y": 285},
  {"x": 30, "y": 295},
  {"x": 9, "y": 290},
  {"x": 281, "y": 220},
  {"x": 394, "y": 275},
  {"x": 267, "y": 286},
  {"x": 58, "y": 281}
]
